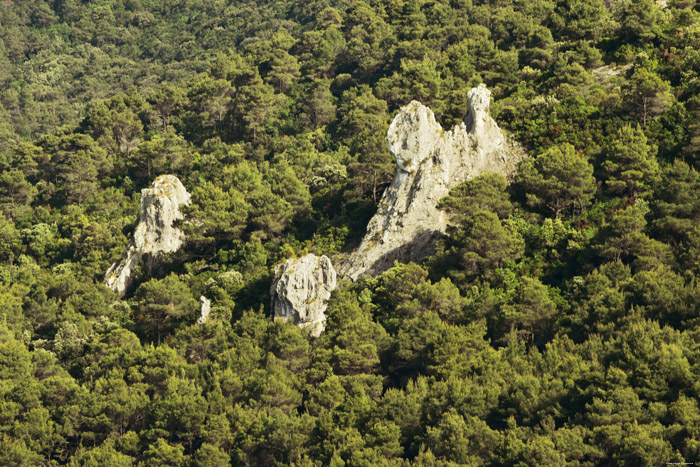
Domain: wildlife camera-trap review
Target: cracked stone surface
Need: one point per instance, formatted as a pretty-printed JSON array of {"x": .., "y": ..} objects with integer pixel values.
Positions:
[{"x": 301, "y": 291}]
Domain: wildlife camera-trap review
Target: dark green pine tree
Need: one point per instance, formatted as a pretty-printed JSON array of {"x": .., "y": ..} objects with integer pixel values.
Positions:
[
  {"x": 630, "y": 165},
  {"x": 560, "y": 179}
]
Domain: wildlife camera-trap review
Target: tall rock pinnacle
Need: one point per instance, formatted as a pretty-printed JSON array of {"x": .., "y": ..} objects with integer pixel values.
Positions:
[
  {"x": 155, "y": 233},
  {"x": 430, "y": 161}
]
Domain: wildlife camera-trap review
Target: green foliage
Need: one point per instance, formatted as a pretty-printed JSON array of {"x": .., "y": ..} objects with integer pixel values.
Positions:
[
  {"x": 158, "y": 304},
  {"x": 630, "y": 166},
  {"x": 557, "y": 180},
  {"x": 648, "y": 95},
  {"x": 486, "y": 192},
  {"x": 675, "y": 209},
  {"x": 219, "y": 216},
  {"x": 533, "y": 311},
  {"x": 483, "y": 247},
  {"x": 16, "y": 194},
  {"x": 365, "y": 121},
  {"x": 557, "y": 323}
]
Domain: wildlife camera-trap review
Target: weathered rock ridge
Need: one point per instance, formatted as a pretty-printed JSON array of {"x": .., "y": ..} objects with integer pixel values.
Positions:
[
  {"x": 155, "y": 233},
  {"x": 430, "y": 161},
  {"x": 302, "y": 290}
]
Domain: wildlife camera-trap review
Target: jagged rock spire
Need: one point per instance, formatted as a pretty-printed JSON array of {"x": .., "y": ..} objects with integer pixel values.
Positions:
[{"x": 430, "y": 161}]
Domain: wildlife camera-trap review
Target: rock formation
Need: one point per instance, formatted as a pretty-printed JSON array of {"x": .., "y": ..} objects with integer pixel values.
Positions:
[
  {"x": 155, "y": 233},
  {"x": 204, "y": 309},
  {"x": 430, "y": 161},
  {"x": 302, "y": 290}
]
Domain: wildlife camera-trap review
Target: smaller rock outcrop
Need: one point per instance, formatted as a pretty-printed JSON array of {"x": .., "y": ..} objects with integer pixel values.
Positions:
[
  {"x": 204, "y": 309},
  {"x": 155, "y": 233},
  {"x": 301, "y": 291}
]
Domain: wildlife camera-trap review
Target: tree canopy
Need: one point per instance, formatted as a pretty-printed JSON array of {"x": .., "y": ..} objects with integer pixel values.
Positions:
[{"x": 557, "y": 322}]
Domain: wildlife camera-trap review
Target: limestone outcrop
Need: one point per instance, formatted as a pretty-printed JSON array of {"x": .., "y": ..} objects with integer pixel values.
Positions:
[
  {"x": 301, "y": 291},
  {"x": 155, "y": 233},
  {"x": 430, "y": 162},
  {"x": 204, "y": 309}
]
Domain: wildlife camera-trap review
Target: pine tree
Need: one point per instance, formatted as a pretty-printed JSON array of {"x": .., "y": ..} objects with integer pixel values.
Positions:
[
  {"x": 630, "y": 164},
  {"x": 560, "y": 179}
]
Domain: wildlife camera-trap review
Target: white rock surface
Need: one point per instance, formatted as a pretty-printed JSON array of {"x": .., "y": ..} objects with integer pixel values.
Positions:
[
  {"x": 204, "y": 309},
  {"x": 302, "y": 290},
  {"x": 155, "y": 233},
  {"x": 430, "y": 161}
]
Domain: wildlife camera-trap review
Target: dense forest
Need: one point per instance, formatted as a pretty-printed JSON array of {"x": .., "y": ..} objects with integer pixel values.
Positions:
[{"x": 557, "y": 324}]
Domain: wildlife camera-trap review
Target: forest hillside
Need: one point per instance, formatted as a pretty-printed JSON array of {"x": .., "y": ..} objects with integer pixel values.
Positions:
[{"x": 556, "y": 321}]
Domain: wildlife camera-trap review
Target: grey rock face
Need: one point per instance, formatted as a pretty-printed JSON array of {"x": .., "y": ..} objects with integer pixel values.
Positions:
[
  {"x": 155, "y": 233},
  {"x": 204, "y": 309},
  {"x": 430, "y": 162},
  {"x": 302, "y": 290}
]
